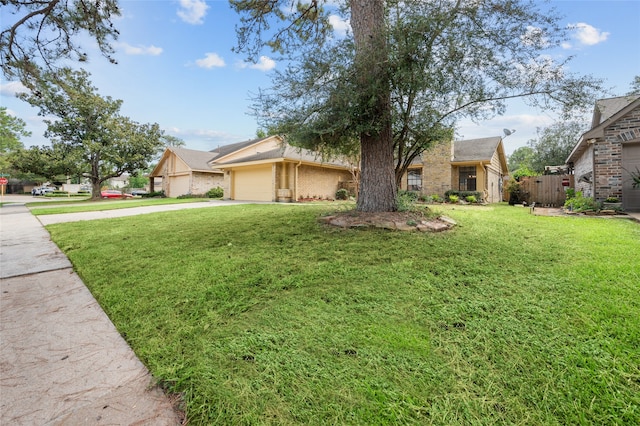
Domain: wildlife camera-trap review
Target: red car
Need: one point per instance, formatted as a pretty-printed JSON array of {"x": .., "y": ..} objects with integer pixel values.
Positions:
[{"x": 112, "y": 193}]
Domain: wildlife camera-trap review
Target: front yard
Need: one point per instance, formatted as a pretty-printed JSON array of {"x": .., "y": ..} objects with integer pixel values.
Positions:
[{"x": 257, "y": 314}]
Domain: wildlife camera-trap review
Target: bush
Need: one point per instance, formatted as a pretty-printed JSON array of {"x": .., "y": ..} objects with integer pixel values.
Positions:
[
  {"x": 216, "y": 192},
  {"x": 190, "y": 195},
  {"x": 436, "y": 198},
  {"x": 342, "y": 194},
  {"x": 463, "y": 194},
  {"x": 580, "y": 203},
  {"x": 471, "y": 199},
  {"x": 453, "y": 198},
  {"x": 154, "y": 194},
  {"x": 406, "y": 200}
]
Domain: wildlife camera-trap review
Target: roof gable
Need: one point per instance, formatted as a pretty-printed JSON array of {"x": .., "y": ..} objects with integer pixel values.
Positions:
[
  {"x": 604, "y": 115},
  {"x": 237, "y": 151},
  {"x": 475, "y": 149},
  {"x": 282, "y": 152},
  {"x": 195, "y": 160}
]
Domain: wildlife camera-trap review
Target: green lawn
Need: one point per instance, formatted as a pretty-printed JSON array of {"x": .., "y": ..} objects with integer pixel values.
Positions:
[
  {"x": 257, "y": 314},
  {"x": 54, "y": 207}
]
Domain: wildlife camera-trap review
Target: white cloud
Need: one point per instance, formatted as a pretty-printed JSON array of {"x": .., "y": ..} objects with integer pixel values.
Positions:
[
  {"x": 140, "y": 50},
  {"x": 340, "y": 26},
  {"x": 12, "y": 88},
  {"x": 211, "y": 60},
  {"x": 192, "y": 11},
  {"x": 264, "y": 64},
  {"x": 586, "y": 35}
]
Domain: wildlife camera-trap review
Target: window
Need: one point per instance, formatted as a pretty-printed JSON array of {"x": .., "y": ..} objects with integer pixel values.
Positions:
[
  {"x": 467, "y": 178},
  {"x": 414, "y": 180}
]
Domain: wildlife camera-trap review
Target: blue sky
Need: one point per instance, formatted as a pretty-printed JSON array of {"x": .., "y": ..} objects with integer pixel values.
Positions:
[{"x": 176, "y": 68}]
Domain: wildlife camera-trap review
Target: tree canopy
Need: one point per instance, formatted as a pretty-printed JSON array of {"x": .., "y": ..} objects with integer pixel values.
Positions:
[
  {"x": 11, "y": 130},
  {"x": 89, "y": 136},
  {"x": 410, "y": 70},
  {"x": 38, "y": 34}
]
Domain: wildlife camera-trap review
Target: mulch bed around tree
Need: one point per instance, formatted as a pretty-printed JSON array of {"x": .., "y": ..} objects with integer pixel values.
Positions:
[{"x": 400, "y": 221}]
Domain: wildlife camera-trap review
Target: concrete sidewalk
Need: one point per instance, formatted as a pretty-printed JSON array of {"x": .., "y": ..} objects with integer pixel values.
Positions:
[{"x": 62, "y": 362}]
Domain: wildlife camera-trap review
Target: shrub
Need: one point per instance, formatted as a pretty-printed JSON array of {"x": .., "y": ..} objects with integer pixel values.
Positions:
[
  {"x": 342, "y": 194},
  {"x": 406, "y": 200},
  {"x": 154, "y": 194},
  {"x": 216, "y": 192},
  {"x": 579, "y": 203},
  {"x": 471, "y": 199},
  {"x": 611, "y": 200},
  {"x": 436, "y": 198},
  {"x": 453, "y": 198},
  {"x": 463, "y": 194},
  {"x": 189, "y": 195}
]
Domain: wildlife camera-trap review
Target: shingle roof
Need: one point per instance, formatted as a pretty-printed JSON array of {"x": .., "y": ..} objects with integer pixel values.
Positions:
[
  {"x": 475, "y": 149},
  {"x": 228, "y": 149},
  {"x": 288, "y": 152},
  {"x": 605, "y": 108},
  {"x": 196, "y": 160}
]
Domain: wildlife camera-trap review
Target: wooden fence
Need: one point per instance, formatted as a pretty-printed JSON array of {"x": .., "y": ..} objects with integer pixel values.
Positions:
[{"x": 546, "y": 190}]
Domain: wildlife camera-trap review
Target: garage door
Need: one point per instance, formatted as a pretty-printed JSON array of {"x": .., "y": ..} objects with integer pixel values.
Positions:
[
  {"x": 178, "y": 185},
  {"x": 630, "y": 163},
  {"x": 253, "y": 184}
]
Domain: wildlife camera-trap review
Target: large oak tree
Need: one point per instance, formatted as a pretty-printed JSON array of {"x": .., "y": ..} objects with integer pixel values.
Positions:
[
  {"x": 89, "y": 136},
  {"x": 410, "y": 70}
]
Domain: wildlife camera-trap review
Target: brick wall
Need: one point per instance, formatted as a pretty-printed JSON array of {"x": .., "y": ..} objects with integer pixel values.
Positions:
[
  {"x": 608, "y": 157},
  {"x": 319, "y": 181},
  {"x": 201, "y": 183},
  {"x": 436, "y": 171}
]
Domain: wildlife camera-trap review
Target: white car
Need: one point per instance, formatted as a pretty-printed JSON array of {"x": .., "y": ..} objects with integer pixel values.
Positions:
[{"x": 42, "y": 190}]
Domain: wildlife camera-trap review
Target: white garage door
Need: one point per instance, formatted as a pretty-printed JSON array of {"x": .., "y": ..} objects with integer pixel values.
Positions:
[
  {"x": 178, "y": 185},
  {"x": 253, "y": 184},
  {"x": 631, "y": 164}
]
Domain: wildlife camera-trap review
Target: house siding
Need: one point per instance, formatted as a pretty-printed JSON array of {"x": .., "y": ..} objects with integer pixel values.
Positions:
[
  {"x": 582, "y": 166},
  {"x": 263, "y": 146},
  {"x": 494, "y": 180}
]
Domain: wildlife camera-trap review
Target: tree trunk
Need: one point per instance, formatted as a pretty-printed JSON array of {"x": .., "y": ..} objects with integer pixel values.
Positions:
[{"x": 377, "y": 180}]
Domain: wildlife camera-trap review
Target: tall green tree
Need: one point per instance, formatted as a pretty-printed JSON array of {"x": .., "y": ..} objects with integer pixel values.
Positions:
[
  {"x": 521, "y": 158},
  {"x": 635, "y": 86},
  {"x": 89, "y": 135},
  {"x": 408, "y": 73},
  {"x": 11, "y": 130},
  {"x": 554, "y": 143},
  {"x": 39, "y": 34}
]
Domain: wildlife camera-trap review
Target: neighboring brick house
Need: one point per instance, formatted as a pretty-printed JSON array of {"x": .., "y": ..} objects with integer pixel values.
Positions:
[
  {"x": 468, "y": 165},
  {"x": 606, "y": 155},
  {"x": 185, "y": 171},
  {"x": 265, "y": 169}
]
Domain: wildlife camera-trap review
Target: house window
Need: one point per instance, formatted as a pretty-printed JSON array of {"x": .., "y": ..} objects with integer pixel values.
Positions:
[
  {"x": 414, "y": 180},
  {"x": 467, "y": 178}
]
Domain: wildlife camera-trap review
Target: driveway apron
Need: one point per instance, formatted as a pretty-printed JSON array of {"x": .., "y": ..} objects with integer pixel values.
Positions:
[{"x": 62, "y": 361}]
